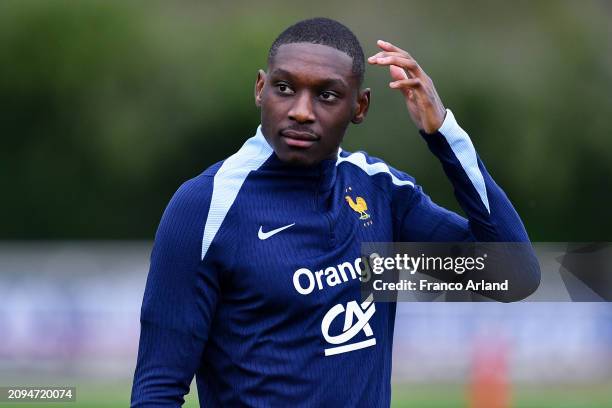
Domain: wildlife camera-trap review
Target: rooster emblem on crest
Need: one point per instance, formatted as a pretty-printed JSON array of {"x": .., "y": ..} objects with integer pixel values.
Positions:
[{"x": 359, "y": 205}]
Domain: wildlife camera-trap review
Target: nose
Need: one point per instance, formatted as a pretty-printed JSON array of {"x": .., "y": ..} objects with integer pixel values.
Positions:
[{"x": 302, "y": 111}]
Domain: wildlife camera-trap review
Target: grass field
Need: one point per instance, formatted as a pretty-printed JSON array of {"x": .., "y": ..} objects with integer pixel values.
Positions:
[{"x": 404, "y": 395}]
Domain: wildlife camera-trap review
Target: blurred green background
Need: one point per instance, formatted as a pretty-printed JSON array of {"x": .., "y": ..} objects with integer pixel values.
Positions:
[{"x": 108, "y": 106}]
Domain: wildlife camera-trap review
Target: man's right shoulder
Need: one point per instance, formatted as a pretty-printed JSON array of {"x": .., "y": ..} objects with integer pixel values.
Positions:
[
  {"x": 199, "y": 187},
  {"x": 212, "y": 170},
  {"x": 193, "y": 197}
]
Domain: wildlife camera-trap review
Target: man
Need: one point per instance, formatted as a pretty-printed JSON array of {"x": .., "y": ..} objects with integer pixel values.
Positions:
[{"x": 256, "y": 261}]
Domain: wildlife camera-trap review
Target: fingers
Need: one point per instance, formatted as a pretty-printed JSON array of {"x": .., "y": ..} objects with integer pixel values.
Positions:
[
  {"x": 383, "y": 54},
  {"x": 374, "y": 59},
  {"x": 400, "y": 61},
  {"x": 390, "y": 48},
  {"x": 397, "y": 73},
  {"x": 387, "y": 46},
  {"x": 386, "y": 53},
  {"x": 399, "y": 58},
  {"x": 422, "y": 100},
  {"x": 408, "y": 83}
]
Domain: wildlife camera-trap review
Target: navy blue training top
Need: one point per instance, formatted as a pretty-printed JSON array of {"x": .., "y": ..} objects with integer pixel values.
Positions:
[{"x": 254, "y": 279}]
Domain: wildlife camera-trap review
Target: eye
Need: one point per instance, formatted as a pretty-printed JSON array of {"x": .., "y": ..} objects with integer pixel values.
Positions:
[
  {"x": 328, "y": 96},
  {"x": 284, "y": 89}
]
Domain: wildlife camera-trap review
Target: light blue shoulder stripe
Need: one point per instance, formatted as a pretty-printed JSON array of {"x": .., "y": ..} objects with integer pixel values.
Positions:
[
  {"x": 228, "y": 181},
  {"x": 359, "y": 160},
  {"x": 463, "y": 148}
]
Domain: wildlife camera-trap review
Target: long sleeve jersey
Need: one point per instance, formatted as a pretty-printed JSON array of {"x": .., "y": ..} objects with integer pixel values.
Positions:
[{"x": 254, "y": 279}]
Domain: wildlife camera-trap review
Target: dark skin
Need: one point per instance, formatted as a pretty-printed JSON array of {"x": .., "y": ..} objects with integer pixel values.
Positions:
[
  {"x": 422, "y": 100},
  {"x": 307, "y": 98},
  {"x": 310, "y": 95}
]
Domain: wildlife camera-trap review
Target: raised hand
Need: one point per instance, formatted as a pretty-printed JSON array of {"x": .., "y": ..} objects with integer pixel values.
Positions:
[{"x": 422, "y": 100}]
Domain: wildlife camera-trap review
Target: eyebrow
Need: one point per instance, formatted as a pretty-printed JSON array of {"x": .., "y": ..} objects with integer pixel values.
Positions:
[{"x": 327, "y": 82}]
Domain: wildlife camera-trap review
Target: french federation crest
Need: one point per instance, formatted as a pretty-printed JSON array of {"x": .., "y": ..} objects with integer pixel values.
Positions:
[{"x": 359, "y": 205}]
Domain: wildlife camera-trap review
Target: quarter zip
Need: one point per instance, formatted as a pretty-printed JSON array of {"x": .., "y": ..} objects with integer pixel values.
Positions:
[
  {"x": 321, "y": 178},
  {"x": 324, "y": 187},
  {"x": 332, "y": 234}
]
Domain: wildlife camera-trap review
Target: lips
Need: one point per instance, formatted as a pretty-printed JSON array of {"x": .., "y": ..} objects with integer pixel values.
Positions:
[{"x": 299, "y": 139}]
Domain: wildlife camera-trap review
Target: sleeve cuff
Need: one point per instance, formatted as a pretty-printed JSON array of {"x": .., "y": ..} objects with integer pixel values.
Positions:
[
  {"x": 462, "y": 150},
  {"x": 449, "y": 125}
]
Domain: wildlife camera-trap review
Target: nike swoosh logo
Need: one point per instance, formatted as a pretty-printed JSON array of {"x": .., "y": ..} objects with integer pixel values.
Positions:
[{"x": 265, "y": 235}]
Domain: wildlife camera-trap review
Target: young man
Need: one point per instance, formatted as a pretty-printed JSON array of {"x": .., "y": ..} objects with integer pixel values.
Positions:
[{"x": 254, "y": 286}]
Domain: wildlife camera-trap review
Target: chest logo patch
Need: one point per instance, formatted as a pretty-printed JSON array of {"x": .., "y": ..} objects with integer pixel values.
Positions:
[
  {"x": 356, "y": 319},
  {"x": 359, "y": 205},
  {"x": 265, "y": 235}
]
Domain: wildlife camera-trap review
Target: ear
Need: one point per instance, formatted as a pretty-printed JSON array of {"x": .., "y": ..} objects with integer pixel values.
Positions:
[
  {"x": 363, "y": 103},
  {"x": 259, "y": 85}
]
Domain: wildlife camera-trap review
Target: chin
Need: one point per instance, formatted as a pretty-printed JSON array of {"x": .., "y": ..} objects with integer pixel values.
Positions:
[{"x": 297, "y": 159}]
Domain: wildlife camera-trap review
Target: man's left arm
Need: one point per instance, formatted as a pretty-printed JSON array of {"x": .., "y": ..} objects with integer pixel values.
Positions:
[{"x": 490, "y": 215}]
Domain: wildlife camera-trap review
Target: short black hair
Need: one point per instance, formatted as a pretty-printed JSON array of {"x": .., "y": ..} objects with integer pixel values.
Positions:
[{"x": 324, "y": 31}]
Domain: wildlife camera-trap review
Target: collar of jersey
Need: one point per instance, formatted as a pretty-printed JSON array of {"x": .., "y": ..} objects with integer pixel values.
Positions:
[{"x": 323, "y": 173}]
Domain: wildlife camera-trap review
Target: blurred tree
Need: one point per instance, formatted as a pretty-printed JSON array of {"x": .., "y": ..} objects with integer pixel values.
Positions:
[{"x": 109, "y": 105}]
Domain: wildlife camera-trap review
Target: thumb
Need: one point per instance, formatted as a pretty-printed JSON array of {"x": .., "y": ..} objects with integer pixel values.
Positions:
[{"x": 397, "y": 73}]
